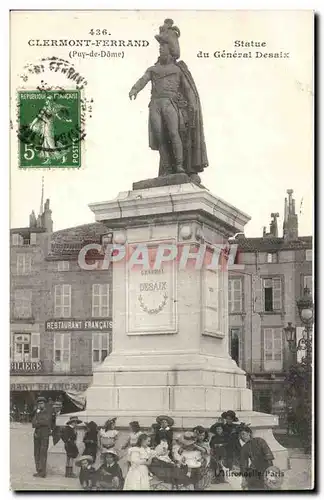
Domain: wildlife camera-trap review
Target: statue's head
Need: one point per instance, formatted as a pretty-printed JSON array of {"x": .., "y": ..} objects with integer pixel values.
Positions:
[{"x": 169, "y": 36}]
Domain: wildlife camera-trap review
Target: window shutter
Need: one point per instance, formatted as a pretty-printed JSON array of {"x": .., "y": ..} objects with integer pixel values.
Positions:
[
  {"x": 276, "y": 294},
  {"x": 268, "y": 344},
  {"x": 35, "y": 345},
  {"x": 257, "y": 294}
]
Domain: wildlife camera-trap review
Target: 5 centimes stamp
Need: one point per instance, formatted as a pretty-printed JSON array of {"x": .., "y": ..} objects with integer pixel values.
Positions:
[{"x": 50, "y": 131}]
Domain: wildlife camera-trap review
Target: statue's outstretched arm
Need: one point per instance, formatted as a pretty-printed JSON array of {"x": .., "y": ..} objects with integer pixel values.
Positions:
[{"x": 140, "y": 84}]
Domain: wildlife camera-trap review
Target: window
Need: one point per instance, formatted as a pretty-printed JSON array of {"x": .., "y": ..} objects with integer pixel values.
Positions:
[
  {"x": 235, "y": 344},
  {"x": 273, "y": 355},
  {"x": 23, "y": 263},
  {"x": 22, "y": 303},
  {"x": 234, "y": 295},
  {"x": 100, "y": 347},
  {"x": 62, "y": 345},
  {"x": 272, "y": 296},
  {"x": 33, "y": 239},
  {"x": 100, "y": 301},
  {"x": 16, "y": 239},
  {"x": 62, "y": 301},
  {"x": 63, "y": 265},
  {"x": 272, "y": 258},
  {"x": 308, "y": 283},
  {"x": 25, "y": 347},
  {"x": 309, "y": 254}
]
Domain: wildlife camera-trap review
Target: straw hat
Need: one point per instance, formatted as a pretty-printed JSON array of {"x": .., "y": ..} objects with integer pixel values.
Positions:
[
  {"x": 187, "y": 439},
  {"x": 165, "y": 417},
  {"x": 88, "y": 458},
  {"x": 110, "y": 451},
  {"x": 73, "y": 420}
]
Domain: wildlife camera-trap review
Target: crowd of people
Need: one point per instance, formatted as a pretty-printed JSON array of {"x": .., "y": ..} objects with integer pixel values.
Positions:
[{"x": 228, "y": 447}]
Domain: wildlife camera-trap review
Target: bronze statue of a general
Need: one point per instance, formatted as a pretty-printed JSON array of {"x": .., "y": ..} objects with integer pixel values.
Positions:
[{"x": 175, "y": 117}]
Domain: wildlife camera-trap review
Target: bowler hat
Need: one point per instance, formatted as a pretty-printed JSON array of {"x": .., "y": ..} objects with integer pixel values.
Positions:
[
  {"x": 41, "y": 399},
  {"x": 165, "y": 417},
  {"x": 89, "y": 459}
]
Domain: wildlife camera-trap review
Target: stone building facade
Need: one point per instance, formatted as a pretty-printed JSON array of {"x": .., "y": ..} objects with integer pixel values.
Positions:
[
  {"x": 262, "y": 300},
  {"x": 61, "y": 321}
]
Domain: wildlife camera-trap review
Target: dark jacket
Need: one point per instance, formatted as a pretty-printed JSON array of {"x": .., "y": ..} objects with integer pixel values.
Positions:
[
  {"x": 87, "y": 477},
  {"x": 69, "y": 437},
  {"x": 106, "y": 473},
  {"x": 42, "y": 423},
  {"x": 218, "y": 446},
  {"x": 233, "y": 447},
  {"x": 165, "y": 433},
  {"x": 258, "y": 452},
  {"x": 91, "y": 443}
]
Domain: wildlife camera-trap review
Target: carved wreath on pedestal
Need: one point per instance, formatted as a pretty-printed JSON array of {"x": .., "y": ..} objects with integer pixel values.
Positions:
[{"x": 155, "y": 310}]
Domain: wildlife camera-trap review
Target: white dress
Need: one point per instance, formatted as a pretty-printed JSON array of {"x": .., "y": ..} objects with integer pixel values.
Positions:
[{"x": 137, "y": 476}]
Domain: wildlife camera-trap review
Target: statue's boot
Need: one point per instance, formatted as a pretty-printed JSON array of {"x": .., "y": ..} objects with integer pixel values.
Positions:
[{"x": 179, "y": 169}]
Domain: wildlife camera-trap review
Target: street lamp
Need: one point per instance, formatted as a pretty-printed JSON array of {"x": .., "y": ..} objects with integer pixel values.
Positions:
[
  {"x": 306, "y": 314},
  {"x": 305, "y": 309}
]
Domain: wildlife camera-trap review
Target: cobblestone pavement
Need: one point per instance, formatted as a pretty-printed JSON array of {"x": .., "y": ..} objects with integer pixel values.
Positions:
[{"x": 22, "y": 467}]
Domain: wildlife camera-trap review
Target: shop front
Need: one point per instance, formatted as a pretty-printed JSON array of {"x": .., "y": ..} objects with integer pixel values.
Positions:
[{"x": 66, "y": 389}]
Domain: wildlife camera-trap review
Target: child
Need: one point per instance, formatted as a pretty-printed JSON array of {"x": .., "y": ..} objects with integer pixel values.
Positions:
[
  {"x": 69, "y": 437},
  {"x": 202, "y": 442},
  {"x": 188, "y": 455},
  {"x": 91, "y": 440},
  {"x": 108, "y": 435},
  {"x": 165, "y": 422},
  {"x": 87, "y": 472},
  {"x": 162, "y": 450},
  {"x": 109, "y": 475},
  {"x": 218, "y": 450},
  {"x": 134, "y": 435}
]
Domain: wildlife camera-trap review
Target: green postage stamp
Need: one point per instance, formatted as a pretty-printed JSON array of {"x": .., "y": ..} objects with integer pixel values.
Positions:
[{"x": 50, "y": 131}]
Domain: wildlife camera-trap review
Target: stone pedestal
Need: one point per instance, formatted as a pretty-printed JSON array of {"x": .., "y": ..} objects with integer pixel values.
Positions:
[{"x": 170, "y": 321}]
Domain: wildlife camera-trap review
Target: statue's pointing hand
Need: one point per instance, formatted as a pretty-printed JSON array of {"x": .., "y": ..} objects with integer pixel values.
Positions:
[{"x": 132, "y": 94}]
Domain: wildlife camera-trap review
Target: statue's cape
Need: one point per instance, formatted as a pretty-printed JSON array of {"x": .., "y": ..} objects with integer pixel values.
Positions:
[{"x": 195, "y": 149}]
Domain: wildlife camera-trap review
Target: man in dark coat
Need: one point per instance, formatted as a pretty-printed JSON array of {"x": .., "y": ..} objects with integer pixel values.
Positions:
[
  {"x": 42, "y": 423},
  {"x": 256, "y": 457},
  {"x": 69, "y": 437}
]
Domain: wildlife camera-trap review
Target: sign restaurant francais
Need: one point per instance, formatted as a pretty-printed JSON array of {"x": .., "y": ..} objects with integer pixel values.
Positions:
[{"x": 102, "y": 324}]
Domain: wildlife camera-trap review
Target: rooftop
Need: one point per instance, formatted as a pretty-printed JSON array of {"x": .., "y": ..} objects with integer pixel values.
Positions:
[{"x": 271, "y": 243}]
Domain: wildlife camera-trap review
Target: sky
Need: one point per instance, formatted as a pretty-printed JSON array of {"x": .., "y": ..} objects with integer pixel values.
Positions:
[{"x": 257, "y": 113}]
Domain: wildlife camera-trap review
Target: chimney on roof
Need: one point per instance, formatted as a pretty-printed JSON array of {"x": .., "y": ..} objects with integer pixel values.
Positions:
[
  {"x": 32, "y": 220},
  {"x": 47, "y": 221},
  {"x": 273, "y": 226},
  {"x": 290, "y": 224}
]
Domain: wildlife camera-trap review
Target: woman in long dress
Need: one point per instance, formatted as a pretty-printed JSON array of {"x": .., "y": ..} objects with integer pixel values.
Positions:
[
  {"x": 139, "y": 457},
  {"x": 43, "y": 125}
]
